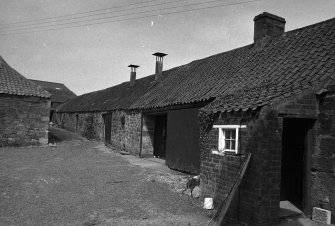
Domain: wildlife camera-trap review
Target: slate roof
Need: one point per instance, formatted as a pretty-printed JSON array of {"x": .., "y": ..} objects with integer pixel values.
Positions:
[
  {"x": 59, "y": 92},
  {"x": 243, "y": 78},
  {"x": 13, "y": 83}
]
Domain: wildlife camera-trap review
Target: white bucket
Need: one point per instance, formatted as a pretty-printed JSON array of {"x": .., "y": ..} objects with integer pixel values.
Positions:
[{"x": 208, "y": 204}]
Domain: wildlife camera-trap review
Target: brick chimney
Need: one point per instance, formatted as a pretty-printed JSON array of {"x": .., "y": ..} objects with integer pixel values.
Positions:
[
  {"x": 267, "y": 26},
  {"x": 159, "y": 65},
  {"x": 132, "y": 74}
]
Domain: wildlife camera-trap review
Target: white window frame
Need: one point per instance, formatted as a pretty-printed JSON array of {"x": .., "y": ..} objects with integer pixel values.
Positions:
[{"x": 221, "y": 141}]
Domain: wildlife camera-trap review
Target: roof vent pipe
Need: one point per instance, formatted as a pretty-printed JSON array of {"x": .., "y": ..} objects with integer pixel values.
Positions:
[
  {"x": 267, "y": 26},
  {"x": 159, "y": 65},
  {"x": 132, "y": 74}
]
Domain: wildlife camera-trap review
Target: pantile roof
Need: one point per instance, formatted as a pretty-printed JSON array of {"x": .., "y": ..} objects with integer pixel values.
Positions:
[
  {"x": 13, "y": 83},
  {"x": 59, "y": 92},
  {"x": 240, "y": 79},
  {"x": 117, "y": 97}
]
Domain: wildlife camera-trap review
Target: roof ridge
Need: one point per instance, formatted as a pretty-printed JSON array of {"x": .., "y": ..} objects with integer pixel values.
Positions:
[
  {"x": 46, "y": 81},
  {"x": 310, "y": 26}
]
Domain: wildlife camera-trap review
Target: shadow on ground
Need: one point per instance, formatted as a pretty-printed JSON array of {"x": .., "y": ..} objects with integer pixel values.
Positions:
[{"x": 57, "y": 135}]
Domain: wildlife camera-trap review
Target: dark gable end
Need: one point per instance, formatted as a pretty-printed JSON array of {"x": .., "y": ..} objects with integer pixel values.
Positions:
[{"x": 59, "y": 92}]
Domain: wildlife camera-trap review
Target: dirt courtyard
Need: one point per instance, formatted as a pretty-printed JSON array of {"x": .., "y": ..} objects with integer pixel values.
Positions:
[{"x": 83, "y": 183}]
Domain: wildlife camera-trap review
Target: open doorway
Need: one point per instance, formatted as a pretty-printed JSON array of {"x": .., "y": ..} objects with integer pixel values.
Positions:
[
  {"x": 295, "y": 172},
  {"x": 153, "y": 140},
  {"x": 160, "y": 136},
  {"x": 108, "y": 127}
]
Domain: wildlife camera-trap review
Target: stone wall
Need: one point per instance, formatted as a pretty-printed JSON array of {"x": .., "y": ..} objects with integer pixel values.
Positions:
[
  {"x": 23, "y": 120},
  {"x": 126, "y": 131},
  {"x": 323, "y": 157},
  {"x": 88, "y": 125},
  {"x": 65, "y": 121},
  {"x": 218, "y": 173},
  {"x": 259, "y": 193}
]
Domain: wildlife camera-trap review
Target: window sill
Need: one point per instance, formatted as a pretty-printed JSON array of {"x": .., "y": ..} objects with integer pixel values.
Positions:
[{"x": 216, "y": 152}]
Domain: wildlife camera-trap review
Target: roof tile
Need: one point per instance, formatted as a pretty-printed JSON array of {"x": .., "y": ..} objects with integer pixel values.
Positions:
[
  {"x": 243, "y": 78},
  {"x": 13, "y": 83}
]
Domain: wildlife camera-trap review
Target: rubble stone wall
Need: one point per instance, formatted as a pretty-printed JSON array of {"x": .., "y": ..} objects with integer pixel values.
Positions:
[
  {"x": 323, "y": 157},
  {"x": 89, "y": 125},
  {"x": 23, "y": 120},
  {"x": 126, "y": 131}
]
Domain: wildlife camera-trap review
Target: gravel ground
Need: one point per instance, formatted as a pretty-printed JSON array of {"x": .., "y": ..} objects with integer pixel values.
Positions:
[{"x": 76, "y": 183}]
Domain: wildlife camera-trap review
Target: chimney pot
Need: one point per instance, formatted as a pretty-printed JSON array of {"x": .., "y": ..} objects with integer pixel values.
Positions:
[
  {"x": 159, "y": 65},
  {"x": 132, "y": 74},
  {"x": 267, "y": 26}
]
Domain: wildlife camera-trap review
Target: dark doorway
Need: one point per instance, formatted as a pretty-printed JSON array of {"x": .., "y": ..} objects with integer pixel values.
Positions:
[
  {"x": 294, "y": 170},
  {"x": 108, "y": 125},
  {"x": 160, "y": 136},
  {"x": 51, "y": 115}
]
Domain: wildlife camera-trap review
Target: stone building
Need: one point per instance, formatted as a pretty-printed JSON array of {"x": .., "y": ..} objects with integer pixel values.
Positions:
[
  {"x": 59, "y": 94},
  {"x": 24, "y": 109},
  {"x": 274, "y": 98}
]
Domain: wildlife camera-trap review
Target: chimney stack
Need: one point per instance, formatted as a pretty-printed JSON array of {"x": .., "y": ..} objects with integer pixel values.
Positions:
[
  {"x": 132, "y": 74},
  {"x": 267, "y": 26},
  {"x": 159, "y": 65}
]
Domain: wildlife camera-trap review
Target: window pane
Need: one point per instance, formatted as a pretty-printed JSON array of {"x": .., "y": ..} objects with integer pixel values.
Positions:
[
  {"x": 233, "y": 134},
  {"x": 227, "y": 134},
  {"x": 227, "y": 144},
  {"x": 233, "y": 145},
  {"x": 230, "y": 134}
]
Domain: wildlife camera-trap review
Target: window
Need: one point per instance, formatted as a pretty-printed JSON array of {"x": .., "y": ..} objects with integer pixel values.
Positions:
[{"x": 228, "y": 137}]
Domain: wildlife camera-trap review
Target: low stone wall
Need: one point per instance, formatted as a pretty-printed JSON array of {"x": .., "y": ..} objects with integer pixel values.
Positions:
[{"x": 23, "y": 120}]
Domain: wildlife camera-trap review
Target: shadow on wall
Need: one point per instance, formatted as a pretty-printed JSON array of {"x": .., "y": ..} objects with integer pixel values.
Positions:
[
  {"x": 148, "y": 131},
  {"x": 88, "y": 128}
]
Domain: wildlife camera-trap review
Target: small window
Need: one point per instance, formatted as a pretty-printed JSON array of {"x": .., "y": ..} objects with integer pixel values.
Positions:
[{"x": 228, "y": 137}]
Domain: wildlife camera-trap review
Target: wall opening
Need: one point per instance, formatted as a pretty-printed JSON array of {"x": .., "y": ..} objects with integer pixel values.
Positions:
[
  {"x": 51, "y": 116},
  {"x": 160, "y": 136},
  {"x": 154, "y": 132},
  {"x": 295, "y": 167},
  {"x": 108, "y": 127}
]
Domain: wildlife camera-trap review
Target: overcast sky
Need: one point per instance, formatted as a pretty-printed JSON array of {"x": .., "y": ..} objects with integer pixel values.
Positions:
[{"x": 94, "y": 57}]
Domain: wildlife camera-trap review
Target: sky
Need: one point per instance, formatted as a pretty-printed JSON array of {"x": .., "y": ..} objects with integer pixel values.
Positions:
[{"x": 94, "y": 57}]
